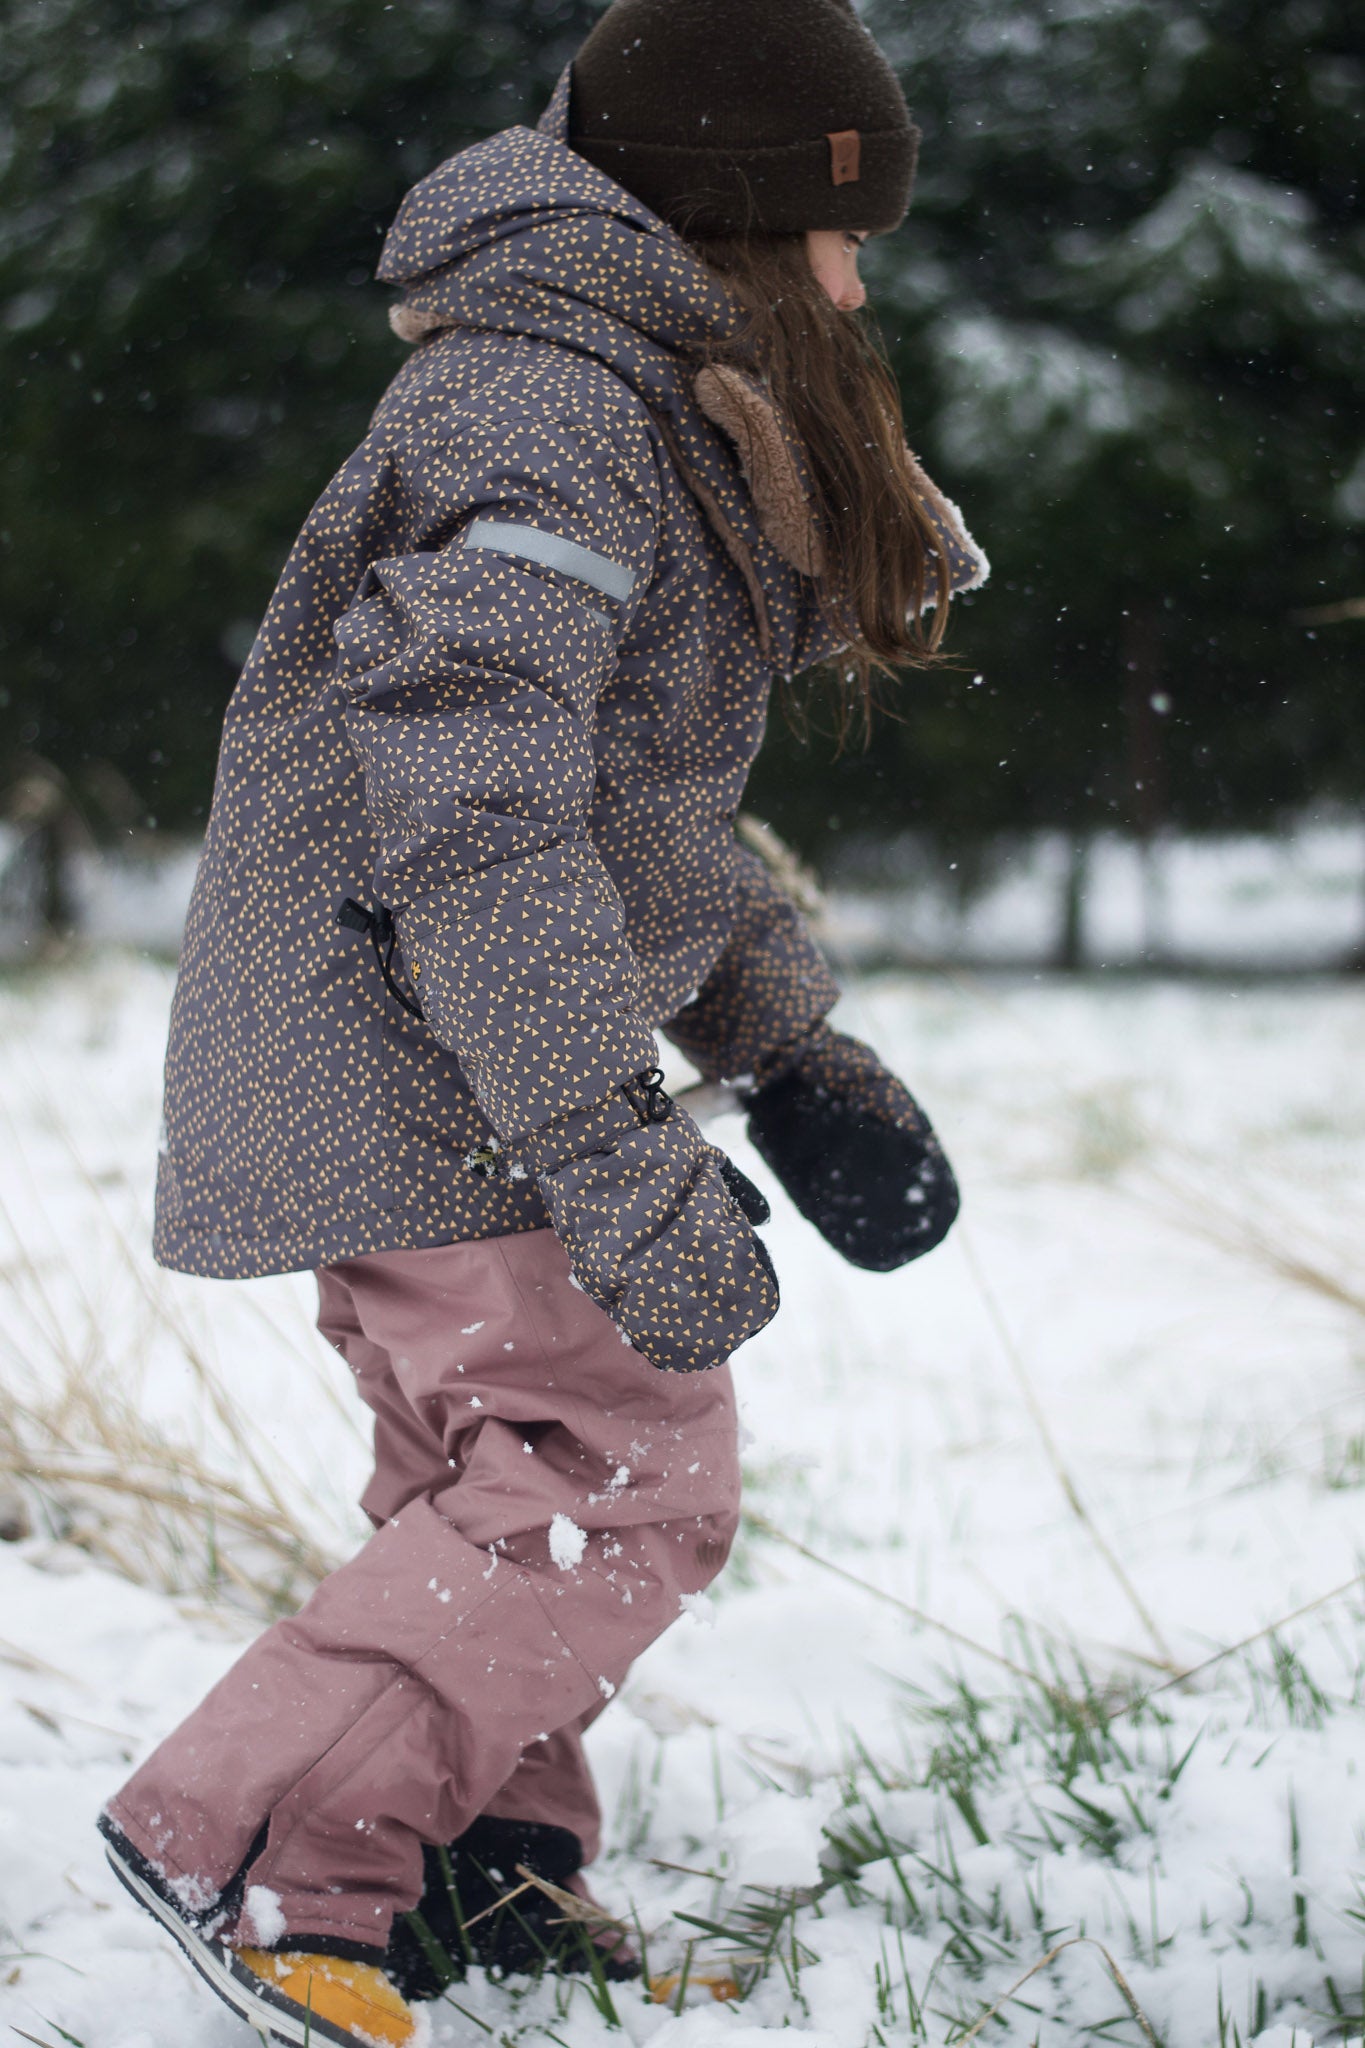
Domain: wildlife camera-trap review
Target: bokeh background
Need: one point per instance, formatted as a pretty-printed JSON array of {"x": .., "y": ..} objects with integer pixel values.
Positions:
[
  {"x": 1127, "y": 310},
  {"x": 1046, "y": 1627}
]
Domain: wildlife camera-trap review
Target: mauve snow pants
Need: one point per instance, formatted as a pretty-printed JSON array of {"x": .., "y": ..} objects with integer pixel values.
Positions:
[{"x": 544, "y": 1500}]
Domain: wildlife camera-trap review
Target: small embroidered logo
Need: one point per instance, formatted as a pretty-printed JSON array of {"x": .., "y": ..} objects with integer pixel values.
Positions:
[{"x": 845, "y": 156}]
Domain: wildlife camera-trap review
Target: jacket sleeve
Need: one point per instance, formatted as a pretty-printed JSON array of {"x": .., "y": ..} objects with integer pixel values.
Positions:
[
  {"x": 768, "y": 990},
  {"x": 471, "y": 670}
]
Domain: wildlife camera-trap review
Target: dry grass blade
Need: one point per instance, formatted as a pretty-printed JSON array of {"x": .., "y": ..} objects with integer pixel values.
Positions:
[
  {"x": 585, "y": 1911},
  {"x": 36, "y": 2039},
  {"x": 226, "y": 1411},
  {"x": 73, "y": 1435},
  {"x": 784, "y": 864},
  {"x": 1068, "y": 1485},
  {"x": 158, "y": 1514},
  {"x": 764, "y": 1527},
  {"x": 1285, "y": 1246},
  {"x": 201, "y": 1492},
  {"x": 1272, "y": 1628},
  {"x": 1072, "y": 1941},
  {"x": 1331, "y": 614},
  {"x": 24, "y": 1660},
  {"x": 503, "y": 1899}
]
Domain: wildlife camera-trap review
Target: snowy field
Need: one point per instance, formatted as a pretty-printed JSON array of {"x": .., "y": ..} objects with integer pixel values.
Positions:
[
  {"x": 933, "y": 1730},
  {"x": 1238, "y": 903},
  {"x": 1288, "y": 902}
]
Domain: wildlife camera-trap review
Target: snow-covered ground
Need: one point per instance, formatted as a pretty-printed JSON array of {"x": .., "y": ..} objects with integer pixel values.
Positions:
[
  {"x": 1241, "y": 902},
  {"x": 1112, "y": 1428}
]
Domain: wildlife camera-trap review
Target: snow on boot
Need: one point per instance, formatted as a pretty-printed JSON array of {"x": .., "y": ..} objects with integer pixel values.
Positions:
[{"x": 300, "y": 2000}]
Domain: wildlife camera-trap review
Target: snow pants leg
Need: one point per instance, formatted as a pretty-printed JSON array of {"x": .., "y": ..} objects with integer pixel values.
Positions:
[
  {"x": 544, "y": 1500},
  {"x": 552, "y": 1782}
]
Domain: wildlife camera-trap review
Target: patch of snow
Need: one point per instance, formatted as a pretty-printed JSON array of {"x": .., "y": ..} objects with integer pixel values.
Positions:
[
  {"x": 567, "y": 1542},
  {"x": 1236, "y": 902},
  {"x": 777, "y": 1839},
  {"x": 264, "y": 1915},
  {"x": 1164, "y": 1186},
  {"x": 717, "y": 2027}
]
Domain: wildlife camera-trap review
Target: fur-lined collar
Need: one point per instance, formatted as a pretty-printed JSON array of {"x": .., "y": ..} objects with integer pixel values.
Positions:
[{"x": 771, "y": 465}]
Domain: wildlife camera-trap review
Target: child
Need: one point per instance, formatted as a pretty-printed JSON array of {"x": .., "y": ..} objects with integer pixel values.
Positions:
[{"x": 471, "y": 845}]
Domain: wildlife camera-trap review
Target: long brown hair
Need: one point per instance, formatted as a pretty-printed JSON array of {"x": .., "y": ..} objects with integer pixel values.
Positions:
[{"x": 828, "y": 375}]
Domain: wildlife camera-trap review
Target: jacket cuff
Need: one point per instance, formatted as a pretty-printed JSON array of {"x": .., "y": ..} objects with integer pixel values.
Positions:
[{"x": 597, "y": 1128}]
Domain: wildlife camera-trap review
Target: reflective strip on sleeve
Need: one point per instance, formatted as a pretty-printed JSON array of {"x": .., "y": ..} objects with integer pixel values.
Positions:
[{"x": 552, "y": 551}]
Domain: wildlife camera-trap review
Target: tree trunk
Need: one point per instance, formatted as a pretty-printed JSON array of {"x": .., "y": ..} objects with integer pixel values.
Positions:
[
  {"x": 1070, "y": 952},
  {"x": 1143, "y": 711}
]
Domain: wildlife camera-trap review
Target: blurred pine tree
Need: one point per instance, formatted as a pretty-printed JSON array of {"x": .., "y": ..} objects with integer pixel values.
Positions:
[
  {"x": 1126, "y": 311},
  {"x": 193, "y": 194}
]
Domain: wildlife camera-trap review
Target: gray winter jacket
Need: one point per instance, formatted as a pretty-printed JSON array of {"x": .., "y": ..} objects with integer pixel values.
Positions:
[{"x": 510, "y": 686}]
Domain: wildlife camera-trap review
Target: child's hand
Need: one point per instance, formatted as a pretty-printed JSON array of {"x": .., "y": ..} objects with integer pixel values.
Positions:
[
  {"x": 656, "y": 1225},
  {"x": 854, "y": 1150}
]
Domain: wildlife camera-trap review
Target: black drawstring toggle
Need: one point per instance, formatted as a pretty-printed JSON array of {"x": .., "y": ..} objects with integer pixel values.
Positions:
[
  {"x": 645, "y": 1094},
  {"x": 354, "y": 917}
]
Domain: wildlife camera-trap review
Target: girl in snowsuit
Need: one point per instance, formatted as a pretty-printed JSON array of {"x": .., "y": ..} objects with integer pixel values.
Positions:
[{"x": 471, "y": 845}]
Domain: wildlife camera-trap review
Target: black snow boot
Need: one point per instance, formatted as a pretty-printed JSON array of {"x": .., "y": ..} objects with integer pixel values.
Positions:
[{"x": 477, "y": 1908}]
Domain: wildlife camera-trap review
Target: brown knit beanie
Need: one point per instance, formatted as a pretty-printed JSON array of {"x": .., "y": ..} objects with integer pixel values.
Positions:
[{"x": 726, "y": 115}]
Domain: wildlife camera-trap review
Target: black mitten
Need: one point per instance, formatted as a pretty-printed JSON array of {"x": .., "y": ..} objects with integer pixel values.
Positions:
[{"x": 855, "y": 1152}]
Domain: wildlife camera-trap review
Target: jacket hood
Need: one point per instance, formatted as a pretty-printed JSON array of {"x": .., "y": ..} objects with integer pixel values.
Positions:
[{"x": 520, "y": 235}]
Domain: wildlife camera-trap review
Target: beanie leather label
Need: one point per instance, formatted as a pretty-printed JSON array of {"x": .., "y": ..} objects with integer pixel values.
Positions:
[{"x": 845, "y": 156}]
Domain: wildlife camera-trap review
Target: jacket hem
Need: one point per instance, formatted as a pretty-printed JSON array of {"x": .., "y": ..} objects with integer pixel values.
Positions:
[{"x": 214, "y": 1255}]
